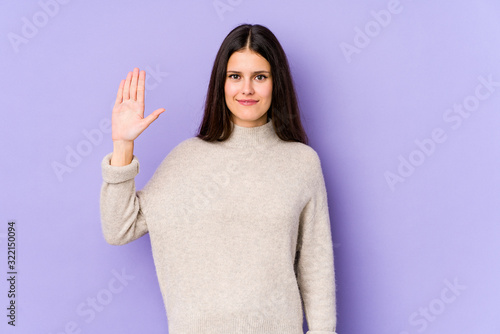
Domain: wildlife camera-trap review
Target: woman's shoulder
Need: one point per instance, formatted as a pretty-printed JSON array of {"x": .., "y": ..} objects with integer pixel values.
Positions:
[
  {"x": 303, "y": 159},
  {"x": 187, "y": 143},
  {"x": 184, "y": 147},
  {"x": 190, "y": 143},
  {"x": 307, "y": 154}
]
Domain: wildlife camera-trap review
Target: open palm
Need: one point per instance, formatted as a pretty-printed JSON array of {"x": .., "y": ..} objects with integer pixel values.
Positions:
[{"x": 127, "y": 119}]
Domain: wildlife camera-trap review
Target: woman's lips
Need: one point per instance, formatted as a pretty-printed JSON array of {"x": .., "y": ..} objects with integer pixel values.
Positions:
[{"x": 247, "y": 102}]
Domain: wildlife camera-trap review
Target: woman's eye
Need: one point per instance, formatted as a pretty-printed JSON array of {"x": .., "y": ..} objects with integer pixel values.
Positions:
[
  {"x": 261, "y": 77},
  {"x": 233, "y": 76}
]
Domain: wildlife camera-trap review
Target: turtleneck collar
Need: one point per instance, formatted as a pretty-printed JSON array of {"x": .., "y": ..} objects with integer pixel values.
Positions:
[{"x": 257, "y": 136}]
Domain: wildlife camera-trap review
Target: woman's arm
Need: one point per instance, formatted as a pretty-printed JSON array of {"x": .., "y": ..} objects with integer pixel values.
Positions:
[
  {"x": 120, "y": 204},
  {"x": 314, "y": 263},
  {"x": 123, "y": 152},
  {"x": 121, "y": 215}
]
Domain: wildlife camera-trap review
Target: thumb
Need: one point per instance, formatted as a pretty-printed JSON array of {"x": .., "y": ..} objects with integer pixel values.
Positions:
[{"x": 153, "y": 116}]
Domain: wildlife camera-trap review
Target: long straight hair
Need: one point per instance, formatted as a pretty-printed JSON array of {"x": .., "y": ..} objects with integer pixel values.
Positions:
[{"x": 283, "y": 112}]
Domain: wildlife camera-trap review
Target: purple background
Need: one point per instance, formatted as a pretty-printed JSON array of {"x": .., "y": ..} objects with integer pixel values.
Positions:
[{"x": 395, "y": 248}]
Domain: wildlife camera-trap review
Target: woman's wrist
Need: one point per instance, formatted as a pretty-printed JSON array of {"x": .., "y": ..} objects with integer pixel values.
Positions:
[{"x": 123, "y": 152}]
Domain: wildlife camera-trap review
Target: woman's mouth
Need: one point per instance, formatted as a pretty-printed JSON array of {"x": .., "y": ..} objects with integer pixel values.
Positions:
[{"x": 247, "y": 102}]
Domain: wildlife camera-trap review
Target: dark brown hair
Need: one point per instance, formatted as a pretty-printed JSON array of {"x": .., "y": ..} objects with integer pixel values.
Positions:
[{"x": 284, "y": 110}]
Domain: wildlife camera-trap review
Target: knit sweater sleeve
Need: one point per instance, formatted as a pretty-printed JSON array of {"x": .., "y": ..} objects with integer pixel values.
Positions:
[
  {"x": 314, "y": 261},
  {"x": 121, "y": 216}
]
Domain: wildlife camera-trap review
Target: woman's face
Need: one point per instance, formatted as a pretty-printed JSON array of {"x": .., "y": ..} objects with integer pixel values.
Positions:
[{"x": 248, "y": 88}]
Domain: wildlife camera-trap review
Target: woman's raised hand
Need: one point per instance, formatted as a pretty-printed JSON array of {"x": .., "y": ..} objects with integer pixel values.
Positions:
[{"x": 127, "y": 119}]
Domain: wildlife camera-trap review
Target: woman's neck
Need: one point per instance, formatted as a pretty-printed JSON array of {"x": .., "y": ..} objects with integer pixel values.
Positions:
[{"x": 257, "y": 136}]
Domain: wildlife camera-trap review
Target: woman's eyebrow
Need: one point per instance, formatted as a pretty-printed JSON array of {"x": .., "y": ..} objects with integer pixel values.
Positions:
[{"x": 252, "y": 73}]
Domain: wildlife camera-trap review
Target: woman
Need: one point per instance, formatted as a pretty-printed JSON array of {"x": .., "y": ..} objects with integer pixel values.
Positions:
[{"x": 237, "y": 215}]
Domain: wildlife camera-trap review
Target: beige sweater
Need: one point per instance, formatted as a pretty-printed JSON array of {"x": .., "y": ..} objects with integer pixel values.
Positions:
[{"x": 240, "y": 233}]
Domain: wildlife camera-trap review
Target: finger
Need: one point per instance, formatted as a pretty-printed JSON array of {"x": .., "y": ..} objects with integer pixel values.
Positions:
[
  {"x": 133, "y": 84},
  {"x": 154, "y": 115},
  {"x": 119, "y": 95},
  {"x": 126, "y": 88},
  {"x": 140, "y": 87}
]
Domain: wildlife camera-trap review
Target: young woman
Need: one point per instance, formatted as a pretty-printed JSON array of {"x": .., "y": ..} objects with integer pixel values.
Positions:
[{"x": 237, "y": 215}]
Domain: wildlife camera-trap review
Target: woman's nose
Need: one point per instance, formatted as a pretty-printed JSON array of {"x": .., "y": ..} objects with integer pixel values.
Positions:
[{"x": 247, "y": 87}]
